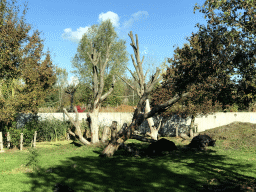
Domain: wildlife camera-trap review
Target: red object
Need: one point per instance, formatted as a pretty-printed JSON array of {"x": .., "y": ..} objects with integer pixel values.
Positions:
[{"x": 79, "y": 110}]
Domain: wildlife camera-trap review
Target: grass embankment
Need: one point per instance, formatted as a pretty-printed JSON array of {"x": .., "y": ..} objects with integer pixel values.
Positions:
[{"x": 232, "y": 163}]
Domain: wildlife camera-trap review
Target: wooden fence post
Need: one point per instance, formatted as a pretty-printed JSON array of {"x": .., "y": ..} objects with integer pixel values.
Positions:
[
  {"x": 177, "y": 130},
  {"x": 196, "y": 127},
  {"x": 8, "y": 140},
  {"x": 21, "y": 141},
  {"x": 34, "y": 144},
  {"x": 1, "y": 143}
]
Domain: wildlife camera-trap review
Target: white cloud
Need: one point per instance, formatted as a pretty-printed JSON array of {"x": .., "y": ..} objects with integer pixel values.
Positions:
[
  {"x": 135, "y": 17},
  {"x": 68, "y": 30},
  {"x": 145, "y": 52},
  {"x": 75, "y": 36},
  {"x": 74, "y": 81},
  {"x": 114, "y": 18},
  {"x": 139, "y": 15}
]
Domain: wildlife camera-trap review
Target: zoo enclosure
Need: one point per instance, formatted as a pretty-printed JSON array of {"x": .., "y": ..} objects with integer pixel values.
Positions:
[{"x": 168, "y": 125}]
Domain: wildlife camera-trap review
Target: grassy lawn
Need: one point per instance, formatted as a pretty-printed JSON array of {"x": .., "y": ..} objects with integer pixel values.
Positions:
[{"x": 232, "y": 163}]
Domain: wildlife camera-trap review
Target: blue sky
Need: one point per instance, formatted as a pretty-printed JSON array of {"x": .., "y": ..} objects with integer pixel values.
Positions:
[{"x": 159, "y": 24}]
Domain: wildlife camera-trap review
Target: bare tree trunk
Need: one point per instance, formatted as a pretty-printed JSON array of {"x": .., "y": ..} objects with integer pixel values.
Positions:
[
  {"x": 94, "y": 125},
  {"x": 153, "y": 130},
  {"x": 78, "y": 132},
  {"x": 121, "y": 137},
  {"x": 192, "y": 124},
  {"x": 147, "y": 109},
  {"x": 113, "y": 131}
]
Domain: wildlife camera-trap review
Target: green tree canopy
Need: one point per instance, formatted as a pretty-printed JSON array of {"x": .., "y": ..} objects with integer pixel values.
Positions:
[
  {"x": 238, "y": 18},
  {"x": 204, "y": 66},
  {"x": 100, "y": 36},
  {"x": 21, "y": 60}
]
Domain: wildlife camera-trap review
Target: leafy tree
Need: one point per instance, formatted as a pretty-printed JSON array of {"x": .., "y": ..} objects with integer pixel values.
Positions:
[
  {"x": 116, "y": 97},
  {"x": 98, "y": 82},
  {"x": 203, "y": 68},
  {"x": 240, "y": 17},
  {"x": 223, "y": 55},
  {"x": 20, "y": 59},
  {"x": 99, "y": 57},
  {"x": 62, "y": 76},
  {"x": 83, "y": 94},
  {"x": 100, "y": 36},
  {"x": 206, "y": 63}
]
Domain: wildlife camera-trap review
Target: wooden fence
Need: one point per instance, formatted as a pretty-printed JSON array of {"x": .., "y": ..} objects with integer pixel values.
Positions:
[{"x": 33, "y": 142}]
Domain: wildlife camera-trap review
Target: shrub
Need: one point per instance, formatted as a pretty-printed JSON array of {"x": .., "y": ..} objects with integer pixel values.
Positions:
[
  {"x": 14, "y": 134},
  {"x": 33, "y": 158},
  {"x": 49, "y": 130}
]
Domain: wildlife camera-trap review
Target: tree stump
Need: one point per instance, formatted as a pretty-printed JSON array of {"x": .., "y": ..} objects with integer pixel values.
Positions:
[
  {"x": 106, "y": 132},
  {"x": 113, "y": 131}
]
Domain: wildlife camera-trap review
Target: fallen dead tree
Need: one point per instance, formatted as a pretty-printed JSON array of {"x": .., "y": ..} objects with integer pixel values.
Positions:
[{"x": 139, "y": 116}]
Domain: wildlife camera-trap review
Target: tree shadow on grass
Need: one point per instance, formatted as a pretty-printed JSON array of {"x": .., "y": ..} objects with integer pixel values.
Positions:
[{"x": 124, "y": 173}]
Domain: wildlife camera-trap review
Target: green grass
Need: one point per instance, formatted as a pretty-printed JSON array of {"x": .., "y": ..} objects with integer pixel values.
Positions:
[{"x": 233, "y": 161}]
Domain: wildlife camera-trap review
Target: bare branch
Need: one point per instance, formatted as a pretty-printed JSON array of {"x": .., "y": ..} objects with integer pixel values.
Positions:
[
  {"x": 145, "y": 86},
  {"x": 77, "y": 116},
  {"x": 140, "y": 66},
  {"x": 102, "y": 70},
  {"x": 159, "y": 79},
  {"x": 71, "y": 133},
  {"x": 146, "y": 73},
  {"x": 159, "y": 125},
  {"x": 154, "y": 80},
  {"x": 127, "y": 83},
  {"x": 165, "y": 106},
  {"x": 139, "y": 92},
  {"x": 76, "y": 124},
  {"x": 137, "y": 44},
  {"x": 71, "y": 118},
  {"x": 136, "y": 68},
  {"x": 95, "y": 58},
  {"x": 139, "y": 63},
  {"x": 132, "y": 44},
  {"x": 134, "y": 77},
  {"x": 142, "y": 61},
  {"x": 110, "y": 90}
]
